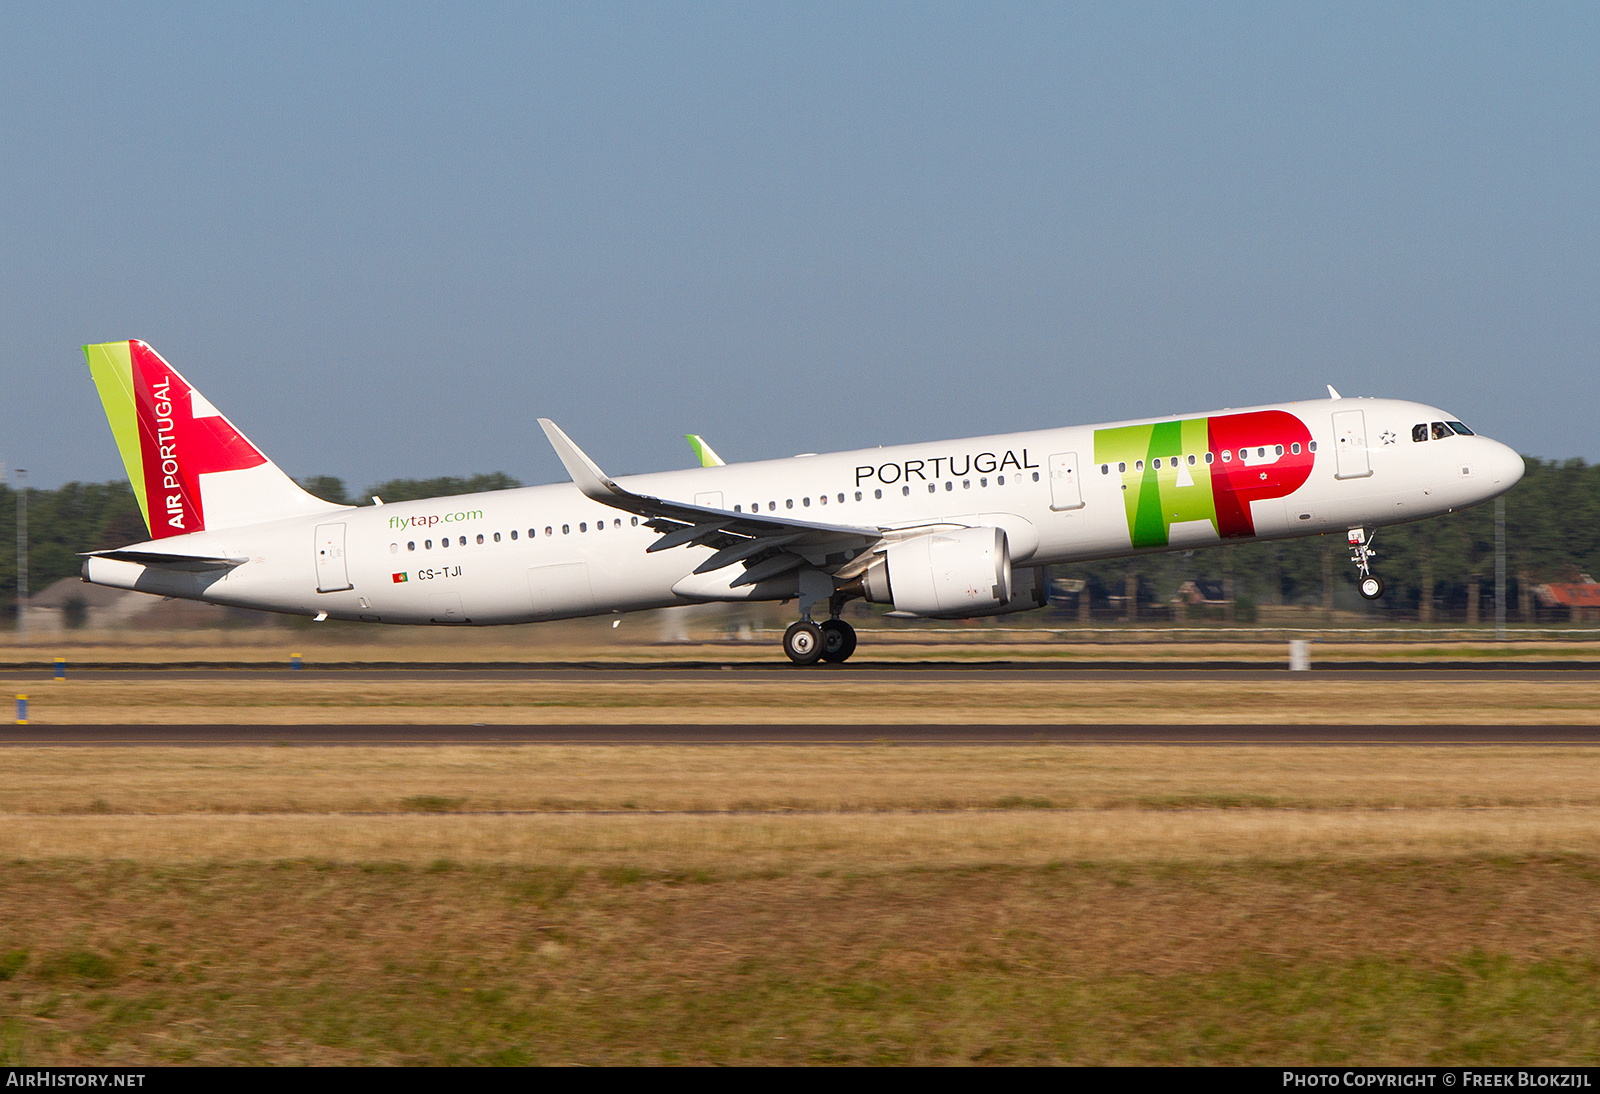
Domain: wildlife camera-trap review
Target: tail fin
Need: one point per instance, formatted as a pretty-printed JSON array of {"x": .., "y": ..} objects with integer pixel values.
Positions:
[{"x": 190, "y": 468}]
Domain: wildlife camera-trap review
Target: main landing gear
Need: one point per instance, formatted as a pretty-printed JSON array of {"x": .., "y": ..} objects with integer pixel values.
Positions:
[
  {"x": 1362, "y": 553},
  {"x": 806, "y": 642}
]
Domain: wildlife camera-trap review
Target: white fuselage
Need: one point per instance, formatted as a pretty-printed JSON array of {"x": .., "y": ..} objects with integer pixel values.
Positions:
[{"x": 549, "y": 552}]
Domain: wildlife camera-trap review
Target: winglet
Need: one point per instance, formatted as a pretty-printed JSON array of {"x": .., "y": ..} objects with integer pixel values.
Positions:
[
  {"x": 703, "y": 451},
  {"x": 594, "y": 483},
  {"x": 1332, "y": 394}
]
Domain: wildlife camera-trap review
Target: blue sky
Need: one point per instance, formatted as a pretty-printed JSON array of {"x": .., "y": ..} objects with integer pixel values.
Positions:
[{"x": 385, "y": 238}]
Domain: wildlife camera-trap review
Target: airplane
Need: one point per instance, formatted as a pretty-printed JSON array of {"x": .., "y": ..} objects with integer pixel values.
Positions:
[{"x": 943, "y": 530}]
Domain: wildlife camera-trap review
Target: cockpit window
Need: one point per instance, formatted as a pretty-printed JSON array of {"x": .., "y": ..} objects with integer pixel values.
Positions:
[
  {"x": 1459, "y": 428},
  {"x": 1440, "y": 431},
  {"x": 1419, "y": 432}
]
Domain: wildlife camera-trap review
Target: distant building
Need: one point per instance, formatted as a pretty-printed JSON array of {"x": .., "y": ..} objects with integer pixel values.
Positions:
[
  {"x": 73, "y": 602},
  {"x": 1580, "y": 599},
  {"x": 1202, "y": 593}
]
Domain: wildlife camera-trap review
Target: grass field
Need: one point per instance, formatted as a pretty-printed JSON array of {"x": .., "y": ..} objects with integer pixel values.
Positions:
[
  {"x": 773, "y": 904},
  {"x": 814, "y": 697}
]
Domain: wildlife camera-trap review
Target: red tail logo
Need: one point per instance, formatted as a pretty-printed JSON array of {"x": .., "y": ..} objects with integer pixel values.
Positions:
[{"x": 180, "y": 441}]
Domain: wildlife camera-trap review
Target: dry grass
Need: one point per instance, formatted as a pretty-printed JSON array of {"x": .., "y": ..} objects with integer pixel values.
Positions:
[
  {"x": 751, "y": 807},
  {"x": 727, "y": 904},
  {"x": 1470, "y": 961},
  {"x": 780, "y": 778},
  {"x": 816, "y": 697},
  {"x": 851, "y": 842}
]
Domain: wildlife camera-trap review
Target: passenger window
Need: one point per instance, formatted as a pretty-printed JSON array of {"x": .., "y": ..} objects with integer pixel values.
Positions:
[
  {"x": 514, "y": 534},
  {"x": 858, "y": 495},
  {"x": 805, "y": 502},
  {"x": 599, "y": 526},
  {"x": 412, "y": 545},
  {"x": 1208, "y": 457},
  {"x": 1227, "y": 457},
  {"x": 1277, "y": 450},
  {"x": 1105, "y": 469},
  {"x": 1000, "y": 480},
  {"x": 1122, "y": 468},
  {"x": 463, "y": 541},
  {"x": 1036, "y": 474},
  {"x": 1138, "y": 465},
  {"x": 427, "y": 544},
  {"x": 1294, "y": 449},
  {"x": 877, "y": 495},
  {"x": 841, "y": 498},
  {"x": 394, "y": 548},
  {"x": 1313, "y": 446},
  {"x": 772, "y": 507},
  {"x": 738, "y": 509},
  {"x": 566, "y": 529},
  {"x": 583, "y": 526},
  {"x": 822, "y": 499},
  {"x": 1156, "y": 463},
  {"x": 932, "y": 486},
  {"x": 480, "y": 537},
  {"x": 1261, "y": 453},
  {"x": 1440, "y": 431},
  {"x": 966, "y": 484},
  {"x": 1191, "y": 461},
  {"x": 983, "y": 481},
  {"x": 636, "y": 522},
  {"x": 789, "y": 504},
  {"x": 549, "y": 531},
  {"x": 445, "y": 542},
  {"x": 905, "y": 491}
]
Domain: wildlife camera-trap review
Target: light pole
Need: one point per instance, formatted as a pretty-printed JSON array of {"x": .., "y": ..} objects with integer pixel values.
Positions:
[
  {"x": 1500, "y": 569},
  {"x": 22, "y": 556}
]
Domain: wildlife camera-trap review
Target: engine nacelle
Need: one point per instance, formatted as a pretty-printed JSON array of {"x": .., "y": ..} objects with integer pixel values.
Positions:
[
  {"x": 1030, "y": 589},
  {"x": 957, "y": 573}
]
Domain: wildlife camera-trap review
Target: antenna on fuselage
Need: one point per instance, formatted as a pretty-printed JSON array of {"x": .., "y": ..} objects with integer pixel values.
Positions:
[{"x": 1332, "y": 394}]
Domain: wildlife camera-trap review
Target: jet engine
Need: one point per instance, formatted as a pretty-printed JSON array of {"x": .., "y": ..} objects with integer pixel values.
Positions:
[{"x": 954, "y": 574}]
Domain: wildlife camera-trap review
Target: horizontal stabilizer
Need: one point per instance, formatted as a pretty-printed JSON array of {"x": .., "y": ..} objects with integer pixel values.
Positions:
[{"x": 167, "y": 560}]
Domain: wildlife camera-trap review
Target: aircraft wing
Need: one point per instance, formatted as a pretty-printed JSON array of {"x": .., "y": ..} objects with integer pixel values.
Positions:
[{"x": 768, "y": 545}]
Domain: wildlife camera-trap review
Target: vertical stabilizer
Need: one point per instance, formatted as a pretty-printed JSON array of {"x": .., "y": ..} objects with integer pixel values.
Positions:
[{"x": 189, "y": 467}]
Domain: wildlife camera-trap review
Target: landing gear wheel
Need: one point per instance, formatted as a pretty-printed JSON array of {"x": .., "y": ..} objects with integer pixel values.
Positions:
[
  {"x": 803, "y": 643},
  {"x": 838, "y": 641},
  {"x": 1371, "y": 587}
]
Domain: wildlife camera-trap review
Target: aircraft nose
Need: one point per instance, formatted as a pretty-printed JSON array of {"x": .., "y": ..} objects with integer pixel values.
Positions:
[{"x": 1503, "y": 464}]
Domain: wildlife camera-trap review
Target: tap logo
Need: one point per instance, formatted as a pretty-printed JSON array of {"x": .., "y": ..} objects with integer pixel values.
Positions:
[{"x": 1204, "y": 469}]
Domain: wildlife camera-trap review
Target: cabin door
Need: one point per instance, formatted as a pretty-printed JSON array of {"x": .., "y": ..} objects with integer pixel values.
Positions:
[
  {"x": 1350, "y": 445},
  {"x": 1065, "y": 490},
  {"x": 332, "y": 576}
]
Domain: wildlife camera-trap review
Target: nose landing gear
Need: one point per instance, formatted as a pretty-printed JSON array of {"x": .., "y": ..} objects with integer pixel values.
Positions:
[{"x": 1361, "y": 553}]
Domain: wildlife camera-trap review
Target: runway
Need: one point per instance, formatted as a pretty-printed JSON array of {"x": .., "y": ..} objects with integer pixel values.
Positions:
[
  {"x": 795, "y": 734},
  {"x": 888, "y": 674}
]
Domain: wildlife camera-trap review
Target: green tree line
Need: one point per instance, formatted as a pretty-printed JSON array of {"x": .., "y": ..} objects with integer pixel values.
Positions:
[{"x": 1552, "y": 534}]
